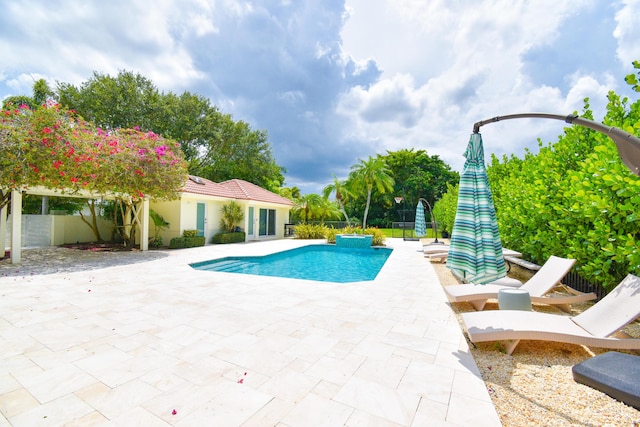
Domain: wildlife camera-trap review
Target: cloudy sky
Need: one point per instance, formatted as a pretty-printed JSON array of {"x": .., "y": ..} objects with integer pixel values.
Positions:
[{"x": 334, "y": 81}]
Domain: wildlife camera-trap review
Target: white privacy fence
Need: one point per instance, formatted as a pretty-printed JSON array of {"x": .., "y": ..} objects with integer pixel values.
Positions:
[{"x": 54, "y": 230}]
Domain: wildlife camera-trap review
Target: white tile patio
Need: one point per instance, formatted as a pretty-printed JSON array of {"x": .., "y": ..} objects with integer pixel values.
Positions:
[{"x": 129, "y": 344}]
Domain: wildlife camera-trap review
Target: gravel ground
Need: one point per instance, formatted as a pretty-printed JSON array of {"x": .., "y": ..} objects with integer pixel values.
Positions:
[{"x": 535, "y": 387}]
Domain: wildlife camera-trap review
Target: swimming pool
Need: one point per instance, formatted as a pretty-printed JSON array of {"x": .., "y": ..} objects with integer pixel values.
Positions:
[{"x": 323, "y": 263}]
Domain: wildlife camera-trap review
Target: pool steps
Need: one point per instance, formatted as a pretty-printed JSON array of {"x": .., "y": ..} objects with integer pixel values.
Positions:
[{"x": 230, "y": 266}]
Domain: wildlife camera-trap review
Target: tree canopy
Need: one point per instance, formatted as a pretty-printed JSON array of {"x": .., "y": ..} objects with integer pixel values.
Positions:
[
  {"x": 214, "y": 145},
  {"x": 415, "y": 175}
]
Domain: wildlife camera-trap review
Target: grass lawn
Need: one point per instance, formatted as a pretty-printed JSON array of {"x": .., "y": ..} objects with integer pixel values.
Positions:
[{"x": 389, "y": 232}]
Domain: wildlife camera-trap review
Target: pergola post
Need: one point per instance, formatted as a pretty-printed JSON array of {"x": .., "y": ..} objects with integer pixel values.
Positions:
[
  {"x": 16, "y": 227},
  {"x": 3, "y": 230},
  {"x": 144, "y": 226}
]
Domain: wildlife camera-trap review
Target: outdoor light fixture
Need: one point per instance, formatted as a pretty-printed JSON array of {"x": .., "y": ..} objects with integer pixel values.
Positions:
[{"x": 628, "y": 145}]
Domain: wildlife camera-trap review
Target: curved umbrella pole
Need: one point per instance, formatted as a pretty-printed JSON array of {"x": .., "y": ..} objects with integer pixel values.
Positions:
[
  {"x": 628, "y": 145},
  {"x": 433, "y": 220}
]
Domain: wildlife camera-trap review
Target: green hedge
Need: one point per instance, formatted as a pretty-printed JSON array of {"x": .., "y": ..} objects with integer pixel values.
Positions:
[
  {"x": 233, "y": 237},
  {"x": 311, "y": 231},
  {"x": 573, "y": 199},
  {"x": 186, "y": 242},
  {"x": 444, "y": 210}
]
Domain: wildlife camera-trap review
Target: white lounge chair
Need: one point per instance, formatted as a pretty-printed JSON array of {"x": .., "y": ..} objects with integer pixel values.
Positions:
[
  {"x": 441, "y": 251},
  {"x": 436, "y": 251},
  {"x": 549, "y": 275},
  {"x": 599, "y": 326}
]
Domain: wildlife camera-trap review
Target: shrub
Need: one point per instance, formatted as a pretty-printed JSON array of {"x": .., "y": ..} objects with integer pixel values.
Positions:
[
  {"x": 159, "y": 224},
  {"x": 231, "y": 215},
  {"x": 331, "y": 234},
  {"x": 189, "y": 233},
  {"x": 378, "y": 236},
  {"x": 233, "y": 237},
  {"x": 444, "y": 210},
  {"x": 380, "y": 223},
  {"x": 186, "y": 242},
  {"x": 155, "y": 242},
  {"x": 350, "y": 229},
  {"x": 307, "y": 231}
]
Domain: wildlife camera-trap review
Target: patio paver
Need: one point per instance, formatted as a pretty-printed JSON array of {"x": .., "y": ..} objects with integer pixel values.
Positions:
[{"x": 127, "y": 344}]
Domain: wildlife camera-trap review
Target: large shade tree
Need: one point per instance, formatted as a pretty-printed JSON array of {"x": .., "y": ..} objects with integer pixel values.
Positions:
[
  {"x": 126, "y": 101},
  {"x": 418, "y": 175},
  {"x": 214, "y": 145}
]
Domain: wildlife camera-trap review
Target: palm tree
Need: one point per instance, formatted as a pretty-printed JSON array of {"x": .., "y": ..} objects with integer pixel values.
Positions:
[
  {"x": 291, "y": 193},
  {"x": 342, "y": 193},
  {"x": 308, "y": 204},
  {"x": 328, "y": 210},
  {"x": 230, "y": 216},
  {"x": 368, "y": 174}
]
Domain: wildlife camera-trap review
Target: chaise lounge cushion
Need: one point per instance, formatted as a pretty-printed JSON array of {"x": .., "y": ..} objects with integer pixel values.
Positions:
[{"x": 616, "y": 374}]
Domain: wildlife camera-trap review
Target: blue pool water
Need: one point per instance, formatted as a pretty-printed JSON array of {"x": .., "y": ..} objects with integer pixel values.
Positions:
[{"x": 324, "y": 263}]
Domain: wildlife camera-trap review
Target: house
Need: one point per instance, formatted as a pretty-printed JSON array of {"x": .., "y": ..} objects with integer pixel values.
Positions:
[
  {"x": 197, "y": 208},
  {"x": 200, "y": 203}
]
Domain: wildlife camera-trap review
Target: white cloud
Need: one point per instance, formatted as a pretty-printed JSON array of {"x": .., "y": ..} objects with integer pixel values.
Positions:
[
  {"x": 71, "y": 40},
  {"x": 470, "y": 65},
  {"x": 627, "y": 32},
  {"x": 394, "y": 100},
  {"x": 333, "y": 82}
]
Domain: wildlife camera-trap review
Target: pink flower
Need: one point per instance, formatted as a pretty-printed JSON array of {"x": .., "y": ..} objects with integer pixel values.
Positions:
[
  {"x": 160, "y": 151},
  {"x": 174, "y": 412}
]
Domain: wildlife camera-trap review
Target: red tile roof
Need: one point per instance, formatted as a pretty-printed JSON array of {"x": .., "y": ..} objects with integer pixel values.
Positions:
[
  {"x": 233, "y": 189},
  {"x": 197, "y": 185},
  {"x": 245, "y": 190}
]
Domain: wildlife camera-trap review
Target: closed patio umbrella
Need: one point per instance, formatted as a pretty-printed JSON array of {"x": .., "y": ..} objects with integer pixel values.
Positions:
[
  {"x": 476, "y": 250},
  {"x": 421, "y": 224}
]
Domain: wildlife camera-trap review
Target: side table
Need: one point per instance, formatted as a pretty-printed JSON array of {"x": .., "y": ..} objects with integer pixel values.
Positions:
[{"x": 514, "y": 299}]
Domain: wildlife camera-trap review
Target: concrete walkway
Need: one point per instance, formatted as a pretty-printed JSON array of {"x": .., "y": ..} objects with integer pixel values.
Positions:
[{"x": 156, "y": 343}]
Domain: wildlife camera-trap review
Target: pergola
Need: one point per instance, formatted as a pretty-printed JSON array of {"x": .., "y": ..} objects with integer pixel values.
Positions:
[{"x": 140, "y": 217}]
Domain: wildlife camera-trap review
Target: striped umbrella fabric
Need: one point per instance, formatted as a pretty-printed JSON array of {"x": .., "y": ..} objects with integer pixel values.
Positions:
[
  {"x": 421, "y": 224},
  {"x": 475, "y": 250}
]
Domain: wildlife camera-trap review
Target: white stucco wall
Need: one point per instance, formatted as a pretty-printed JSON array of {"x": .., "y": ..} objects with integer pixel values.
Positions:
[
  {"x": 54, "y": 230},
  {"x": 182, "y": 215}
]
